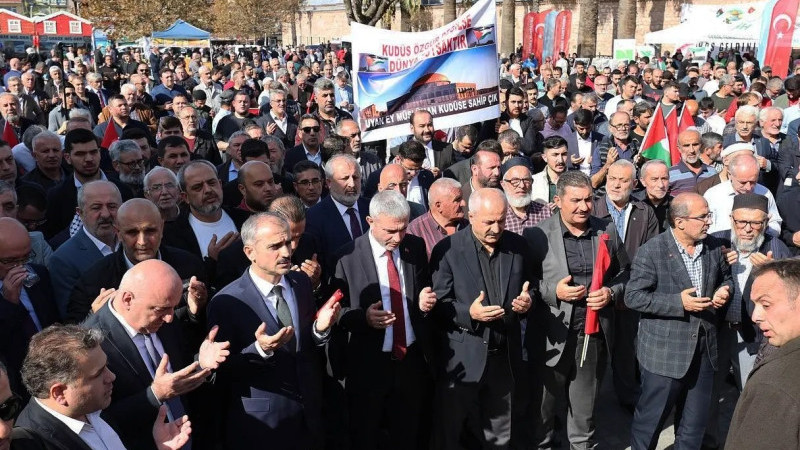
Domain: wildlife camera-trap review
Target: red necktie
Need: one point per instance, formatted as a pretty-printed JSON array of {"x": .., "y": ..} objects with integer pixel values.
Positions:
[{"x": 396, "y": 297}]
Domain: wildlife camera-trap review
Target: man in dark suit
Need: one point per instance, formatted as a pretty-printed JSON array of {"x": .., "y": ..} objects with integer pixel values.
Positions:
[
  {"x": 438, "y": 155},
  {"x": 388, "y": 376},
  {"x": 679, "y": 281},
  {"x": 564, "y": 248},
  {"x": 82, "y": 153},
  {"x": 514, "y": 118},
  {"x": 482, "y": 279},
  {"x": 98, "y": 202},
  {"x": 229, "y": 170},
  {"x": 205, "y": 227},
  {"x": 24, "y": 309},
  {"x": 310, "y": 147},
  {"x": 340, "y": 217},
  {"x": 66, "y": 373},
  {"x": 636, "y": 223},
  {"x": 271, "y": 386},
  {"x": 275, "y": 120},
  {"x": 10, "y": 406},
  {"x": 152, "y": 354},
  {"x": 139, "y": 230}
]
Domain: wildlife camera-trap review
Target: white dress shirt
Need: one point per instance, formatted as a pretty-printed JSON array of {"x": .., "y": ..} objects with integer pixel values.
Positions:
[
  {"x": 585, "y": 152},
  {"x": 381, "y": 264},
  {"x": 720, "y": 202},
  {"x": 104, "y": 248},
  {"x": 265, "y": 289},
  {"x": 415, "y": 192},
  {"x": 430, "y": 161},
  {"x": 96, "y": 433},
  {"x": 282, "y": 123},
  {"x": 346, "y": 217}
]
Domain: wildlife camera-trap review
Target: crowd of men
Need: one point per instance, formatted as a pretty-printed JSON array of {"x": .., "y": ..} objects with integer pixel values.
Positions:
[{"x": 174, "y": 227}]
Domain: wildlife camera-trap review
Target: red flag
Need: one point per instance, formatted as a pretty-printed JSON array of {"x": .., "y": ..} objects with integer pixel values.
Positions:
[
  {"x": 527, "y": 34},
  {"x": 9, "y": 135},
  {"x": 778, "y": 47},
  {"x": 671, "y": 122},
  {"x": 538, "y": 35},
  {"x": 686, "y": 121},
  {"x": 601, "y": 263},
  {"x": 110, "y": 136}
]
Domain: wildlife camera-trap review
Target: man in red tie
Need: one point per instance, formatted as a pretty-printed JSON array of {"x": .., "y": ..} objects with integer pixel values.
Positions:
[{"x": 386, "y": 284}]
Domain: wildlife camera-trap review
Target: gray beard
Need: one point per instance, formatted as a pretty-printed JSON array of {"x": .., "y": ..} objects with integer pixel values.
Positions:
[
  {"x": 519, "y": 202},
  {"x": 746, "y": 246},
  {"x": 136, "y": 180},
  {"x": 346, "y": 200},
  {"x": 209, "y": 209}
]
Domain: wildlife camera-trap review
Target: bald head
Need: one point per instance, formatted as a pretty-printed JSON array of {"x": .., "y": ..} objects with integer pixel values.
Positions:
[
  {"x": 139, "y": 229},
  {"x": 486, "y": 199},
  {"x": 393, "y": 177},
  {"x": 692, "y": 106},
  {"x": 148, "y": 294},
  {"x": 15, "y": 244}
]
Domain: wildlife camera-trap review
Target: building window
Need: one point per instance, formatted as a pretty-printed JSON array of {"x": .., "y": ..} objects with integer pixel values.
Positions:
[
  {"x": 14, "y": 26},
  {"x": 49, "y": 27},
  {"x": 74, "y": 27}
]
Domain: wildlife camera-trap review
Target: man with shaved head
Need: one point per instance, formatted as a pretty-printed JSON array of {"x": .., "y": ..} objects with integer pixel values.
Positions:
[
  {"x": 257, "y": 185},
  {"x": 686, "y": 173},
  {"x": 482, "y": 279},
  {"x": 164, "y": 366},
  {"x": 25, "y": 306},
  {"x": 679, "y": 281},
  {"x": 139, "y": 229},
  {"x": 394, "y": 177}
]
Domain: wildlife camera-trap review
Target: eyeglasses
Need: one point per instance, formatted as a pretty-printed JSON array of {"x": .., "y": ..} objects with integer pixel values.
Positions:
[
  {"x": 704, "y": 218},
  {"x": 33, "y": 224},
  {"x": 18, "y": 261},
  {"x": 621, "y": 126},
  {"x": 156, "y": 188},
  {"x": 10, "y": 408},
  {"x": 354, "y": 135},
  {"x": 391, "y": 186},
  {"x": 754, "y": 224},
  {"x": 517, "y": 182},
  {"x": 307, "y": 183},
  {"x": 133, "y": 164},
  {"x": 310, "y": 129}
]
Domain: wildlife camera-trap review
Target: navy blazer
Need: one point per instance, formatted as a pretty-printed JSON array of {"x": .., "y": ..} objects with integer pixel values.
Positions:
[
  {"x": 56, "y": 435},
  {"x": 275, "y": 400},
  {"x": 133, "y": 405},
  {"x": 668, "y": 333},
  {"x": 326, "y": 227},
  {"x": 68, "y": 263},
  {"x": 458, "y": 281},
  {"x": 294, "y": 155}
]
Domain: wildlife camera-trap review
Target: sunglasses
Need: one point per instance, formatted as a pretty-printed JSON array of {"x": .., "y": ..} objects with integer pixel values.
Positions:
[
  {"x": 10, "y": 408},
  {"x": 310, "y": 129}
]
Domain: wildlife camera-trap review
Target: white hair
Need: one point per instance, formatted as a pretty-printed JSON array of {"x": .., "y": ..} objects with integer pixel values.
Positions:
[
  {"x": 747, "y": 111},
  {"x": 764, "y": 114},
  {"x": 389, "y": 203}
]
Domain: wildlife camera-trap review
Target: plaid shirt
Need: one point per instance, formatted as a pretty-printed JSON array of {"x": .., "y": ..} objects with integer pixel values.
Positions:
[
  {"x": 535, "y": 213},
  {"x": 693, "y": 263}
]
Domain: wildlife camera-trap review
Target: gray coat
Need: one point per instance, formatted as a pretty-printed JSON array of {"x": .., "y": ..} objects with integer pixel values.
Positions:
[
  {"x": 668, "y": 333},
  {"x": 547, "y": 243}
]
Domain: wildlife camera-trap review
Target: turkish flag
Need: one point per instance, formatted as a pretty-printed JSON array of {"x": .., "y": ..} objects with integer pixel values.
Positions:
[
  {"x": 9, "y": 135},
  {"x": 671, "y": 122},
  {"x": 778, "y": 47},
  {"x": 110, "y": 136},
  {"x": 538, "y": 35},
  {"x": 527, "y": 34},
  {"x": 601, "y": 263}
]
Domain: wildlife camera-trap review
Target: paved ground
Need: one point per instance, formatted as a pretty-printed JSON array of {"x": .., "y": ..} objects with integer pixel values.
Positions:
[{"x": 614, "y": 422}]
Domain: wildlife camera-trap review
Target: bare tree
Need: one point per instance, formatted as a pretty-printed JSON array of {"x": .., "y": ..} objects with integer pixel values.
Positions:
[
  {"x": 626, "y": 19},
  {"x": 507, "y": 23}
]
